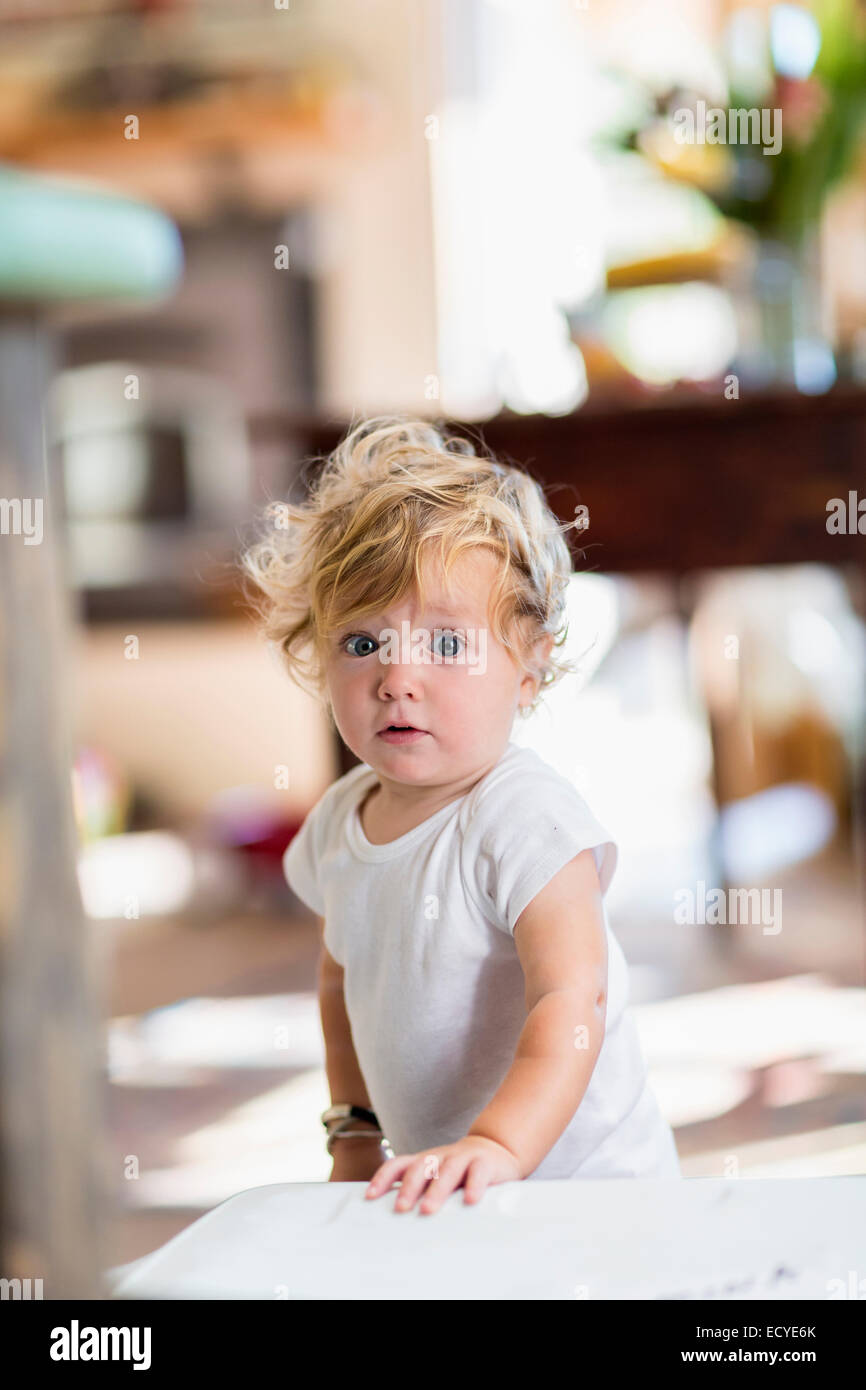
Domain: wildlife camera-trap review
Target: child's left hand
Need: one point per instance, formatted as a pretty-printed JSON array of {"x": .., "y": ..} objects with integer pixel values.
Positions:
[{"x": 474, "y": 1163}]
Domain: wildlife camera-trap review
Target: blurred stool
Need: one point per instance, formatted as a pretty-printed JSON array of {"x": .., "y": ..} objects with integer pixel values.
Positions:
[{"x": 60, "y": 241}]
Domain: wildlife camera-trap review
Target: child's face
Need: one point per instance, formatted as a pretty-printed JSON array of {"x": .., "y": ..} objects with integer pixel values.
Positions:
[{"x": 464, "y": 707}]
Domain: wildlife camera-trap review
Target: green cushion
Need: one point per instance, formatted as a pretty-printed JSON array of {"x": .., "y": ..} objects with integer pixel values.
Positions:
[{"x": 63, "y": 239}]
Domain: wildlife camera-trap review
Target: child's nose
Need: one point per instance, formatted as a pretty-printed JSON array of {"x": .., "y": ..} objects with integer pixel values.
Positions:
[{"x": 400, "y": 678}]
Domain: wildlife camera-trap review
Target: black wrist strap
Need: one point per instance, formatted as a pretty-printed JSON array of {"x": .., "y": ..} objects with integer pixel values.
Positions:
[{"x": 358, "y": 1112}]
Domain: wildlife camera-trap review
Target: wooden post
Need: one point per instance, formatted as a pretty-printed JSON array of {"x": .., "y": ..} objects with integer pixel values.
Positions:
[{"x": 52, "y": 1082}]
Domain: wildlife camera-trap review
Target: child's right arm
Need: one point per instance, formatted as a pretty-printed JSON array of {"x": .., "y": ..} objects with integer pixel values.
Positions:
[{"x": 355, "y": 1160}]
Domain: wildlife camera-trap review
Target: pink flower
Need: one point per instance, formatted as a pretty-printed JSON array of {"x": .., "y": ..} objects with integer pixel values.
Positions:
[{"x": 803, "y": 103}]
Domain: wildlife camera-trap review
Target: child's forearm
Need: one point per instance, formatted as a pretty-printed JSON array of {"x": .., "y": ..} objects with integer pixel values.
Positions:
[
  {"x": 555, "y": 1058},
  {"x": 345, "y": 1080}
]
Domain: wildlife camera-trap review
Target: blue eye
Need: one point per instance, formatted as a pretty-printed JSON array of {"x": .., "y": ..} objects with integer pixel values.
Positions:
[
  {"x": 454, "y": 640},
  {"x": 360, "y": 637}
]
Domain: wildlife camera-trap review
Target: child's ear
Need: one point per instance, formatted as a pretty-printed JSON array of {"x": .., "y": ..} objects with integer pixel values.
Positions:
[
  {"x": 538, "y": 657},
  {"x": 542, "y": 650}
]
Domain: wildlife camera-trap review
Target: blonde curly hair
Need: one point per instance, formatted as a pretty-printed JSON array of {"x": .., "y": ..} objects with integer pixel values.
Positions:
[{"x": 390, "y": 490}]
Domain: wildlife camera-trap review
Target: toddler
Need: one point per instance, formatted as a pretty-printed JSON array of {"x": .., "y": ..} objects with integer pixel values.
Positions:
[{"x": 473, "y": 997}]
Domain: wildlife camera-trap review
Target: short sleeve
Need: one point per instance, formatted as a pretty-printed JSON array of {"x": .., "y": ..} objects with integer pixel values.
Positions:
[
  {"x": 299, "y": 865},
  {"x": 520, "y": 834}
]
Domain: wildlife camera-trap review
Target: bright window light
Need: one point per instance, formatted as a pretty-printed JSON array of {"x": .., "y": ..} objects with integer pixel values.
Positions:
[
  {"x": 138, "y": 875},
  {"x": 670, "y": 332},
  {"x": 795, "y": 40}
]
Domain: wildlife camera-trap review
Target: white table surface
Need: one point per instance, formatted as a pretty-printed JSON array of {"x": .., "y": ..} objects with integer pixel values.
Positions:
[{"x": 700, "y": 1238}]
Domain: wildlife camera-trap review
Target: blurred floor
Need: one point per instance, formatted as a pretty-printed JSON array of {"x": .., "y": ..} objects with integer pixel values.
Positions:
[{"x": 756, "y": 1046}]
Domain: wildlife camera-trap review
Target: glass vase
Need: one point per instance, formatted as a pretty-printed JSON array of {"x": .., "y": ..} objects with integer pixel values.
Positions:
[{"x": 788, "y": 343}]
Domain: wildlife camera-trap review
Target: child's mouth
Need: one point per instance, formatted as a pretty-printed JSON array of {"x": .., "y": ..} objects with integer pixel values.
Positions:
[{"x": 401, "y": 734}]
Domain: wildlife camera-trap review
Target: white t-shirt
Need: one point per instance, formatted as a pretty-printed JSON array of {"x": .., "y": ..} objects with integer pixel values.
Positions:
[{"x": 433, "y": 985}]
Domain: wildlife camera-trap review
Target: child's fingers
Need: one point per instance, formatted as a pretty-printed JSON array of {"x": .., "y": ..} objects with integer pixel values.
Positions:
[
  {"x": 450, "y": 1177},
  {"x": 418, "y": 1175},
  {"x": 477, "y": 1180},
  {"x": 414, "y": 1179},
  {"x": 384, "y": 1178}
]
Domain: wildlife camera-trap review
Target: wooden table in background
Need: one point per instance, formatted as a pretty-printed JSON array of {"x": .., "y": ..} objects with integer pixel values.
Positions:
[{"x": 680, "y": 486}]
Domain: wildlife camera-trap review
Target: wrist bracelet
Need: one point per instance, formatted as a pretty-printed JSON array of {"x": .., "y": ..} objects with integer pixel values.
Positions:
[
  {"x": 342, "y": 1111},
  {"x": 339, "y": 1133}
]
